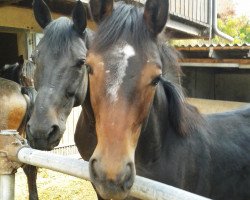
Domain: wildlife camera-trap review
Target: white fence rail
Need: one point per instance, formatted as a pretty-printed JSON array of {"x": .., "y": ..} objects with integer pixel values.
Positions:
[
  {"x": 143, "y": 188},
  {"x": 13, "y": 151}
]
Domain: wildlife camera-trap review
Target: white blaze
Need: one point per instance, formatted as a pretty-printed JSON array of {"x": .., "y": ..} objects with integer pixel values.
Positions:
[{"x": 122, "y": 53}]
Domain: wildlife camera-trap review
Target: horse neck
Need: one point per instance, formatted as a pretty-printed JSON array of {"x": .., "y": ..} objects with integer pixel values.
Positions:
[
  {"x": 14, "y": 73},
  {"x": 87, "y": 109},
  {"x": 159, "y": 134}
]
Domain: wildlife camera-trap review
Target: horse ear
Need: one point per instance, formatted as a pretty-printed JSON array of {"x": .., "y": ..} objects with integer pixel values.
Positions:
[
  {"x": 42, "y": 13},
  {"x": 79, "y": 17},
  {"x": 101, "y": 9},
  {"x": 20, "y": 60},
  {"x": 156, "y": 15}
]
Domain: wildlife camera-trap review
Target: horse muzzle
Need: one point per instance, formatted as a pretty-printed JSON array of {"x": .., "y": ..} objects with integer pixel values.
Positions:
[
  {"x": 43, "y": 140},
  {"x": 112, "y": 185}
]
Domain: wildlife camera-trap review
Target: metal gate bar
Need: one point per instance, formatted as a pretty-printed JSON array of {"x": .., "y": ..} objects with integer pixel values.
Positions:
[
  {"x": 143, "y": 188},
  {"x": 14, "y": 150}
]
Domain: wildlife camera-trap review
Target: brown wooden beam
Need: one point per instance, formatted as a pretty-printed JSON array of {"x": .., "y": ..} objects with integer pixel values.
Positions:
[
  {"x": 23, "y": 18},
  {"x": 208, "y": 60},
  {"x": 213, "y": 48}
]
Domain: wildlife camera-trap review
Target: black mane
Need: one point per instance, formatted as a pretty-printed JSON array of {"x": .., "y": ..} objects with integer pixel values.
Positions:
[
  {"x": 58, "y": 35},
  {"x": 126, "y": 22}
]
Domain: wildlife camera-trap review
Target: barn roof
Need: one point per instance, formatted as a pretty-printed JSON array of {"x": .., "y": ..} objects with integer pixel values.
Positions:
[
  {"x": 205, "y": 46},
  {"x": 203, "y": 55}
]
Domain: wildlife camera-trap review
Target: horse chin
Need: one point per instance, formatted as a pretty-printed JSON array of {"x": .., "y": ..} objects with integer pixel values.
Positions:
[
  {"x": 111, "y": 193},
  {"x": 42, "y": 144},
  {"x": 107, "y": 189}
]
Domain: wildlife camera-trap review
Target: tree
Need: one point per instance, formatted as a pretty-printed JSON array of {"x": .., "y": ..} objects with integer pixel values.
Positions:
[{"x": 237, "y": 27}]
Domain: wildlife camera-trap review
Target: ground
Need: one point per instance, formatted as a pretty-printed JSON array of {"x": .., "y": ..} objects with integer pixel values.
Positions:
[
  {"x": 208, "y": 106},
  {"x": 55, "y": 186}
]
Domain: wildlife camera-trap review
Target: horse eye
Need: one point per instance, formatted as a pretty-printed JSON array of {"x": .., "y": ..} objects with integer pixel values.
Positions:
[
  {"x": 70, "y": 94},
  {"x": 156, "y": 80},
  {"x": 89, "y": 69},
  {"x": 80, "y": 62}
]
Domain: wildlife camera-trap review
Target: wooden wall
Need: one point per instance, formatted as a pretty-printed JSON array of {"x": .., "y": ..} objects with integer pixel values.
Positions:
[
  {"x": 217, "y": 83},
  {"x": 23, "y": 18}
]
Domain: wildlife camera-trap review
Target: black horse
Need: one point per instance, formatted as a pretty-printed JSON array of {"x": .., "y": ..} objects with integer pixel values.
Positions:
[
  {"x": 60, "y": 75},
  {"x": 135, "y": 118},
  {"x": 21, "y": 72},
  {"x": 13, "y": 71}
]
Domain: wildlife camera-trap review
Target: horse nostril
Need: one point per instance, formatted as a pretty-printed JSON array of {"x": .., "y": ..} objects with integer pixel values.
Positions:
[
  {"x": 29, "y": 135},
  {"x": 53, "y": 132},
  {"x": 129, "y": 177},
  {"x": 93, "y": 163},
  {"x": 28, "y": 128}
]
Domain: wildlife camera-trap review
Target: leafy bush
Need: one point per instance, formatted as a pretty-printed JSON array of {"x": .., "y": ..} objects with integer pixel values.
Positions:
[{"x": 237, "y": 27}]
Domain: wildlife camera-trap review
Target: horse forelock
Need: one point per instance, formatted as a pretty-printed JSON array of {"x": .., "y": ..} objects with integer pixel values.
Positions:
[
  {"x": 125, "y": 24},
  {"x": 59, "y": 36}
]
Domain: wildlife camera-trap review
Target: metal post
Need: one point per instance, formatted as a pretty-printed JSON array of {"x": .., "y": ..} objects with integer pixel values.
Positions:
[
  {"x": 7, "y": 187},
  {"x": 216, "y": 30},
  {"x": 7, "y": 168}
]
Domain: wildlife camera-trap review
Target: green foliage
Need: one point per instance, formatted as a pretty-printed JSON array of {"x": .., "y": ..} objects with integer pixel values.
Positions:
[{"x": 237, "y": 27}]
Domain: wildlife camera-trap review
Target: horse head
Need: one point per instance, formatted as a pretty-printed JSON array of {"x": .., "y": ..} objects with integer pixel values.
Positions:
[
  {"x": 124, "y": 69},
  {"x": 60, "y": 77}
]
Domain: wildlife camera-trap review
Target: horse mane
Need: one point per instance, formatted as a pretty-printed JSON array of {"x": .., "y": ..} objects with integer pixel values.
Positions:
[
  {"x": 126, "y": 22},
  {"x": 184, "y": 117},
  {"x": 58, "y": 35}
]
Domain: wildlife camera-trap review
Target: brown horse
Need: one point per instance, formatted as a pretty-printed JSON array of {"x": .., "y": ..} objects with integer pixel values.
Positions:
[
  {"x": 13, "y": 106},
  {"x": 135, "y": 119},
  {"x": 16, "y": 105}
]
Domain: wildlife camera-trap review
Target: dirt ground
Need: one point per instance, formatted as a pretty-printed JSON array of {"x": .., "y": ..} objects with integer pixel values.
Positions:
[
  {"x": 55, "y": 186},
  {"x": 208, "y": 106}
]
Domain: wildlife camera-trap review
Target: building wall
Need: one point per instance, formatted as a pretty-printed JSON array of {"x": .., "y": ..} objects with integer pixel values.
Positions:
[
  {"x": 20, "y": 18},
  {"x": 217, "y": 83}
]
